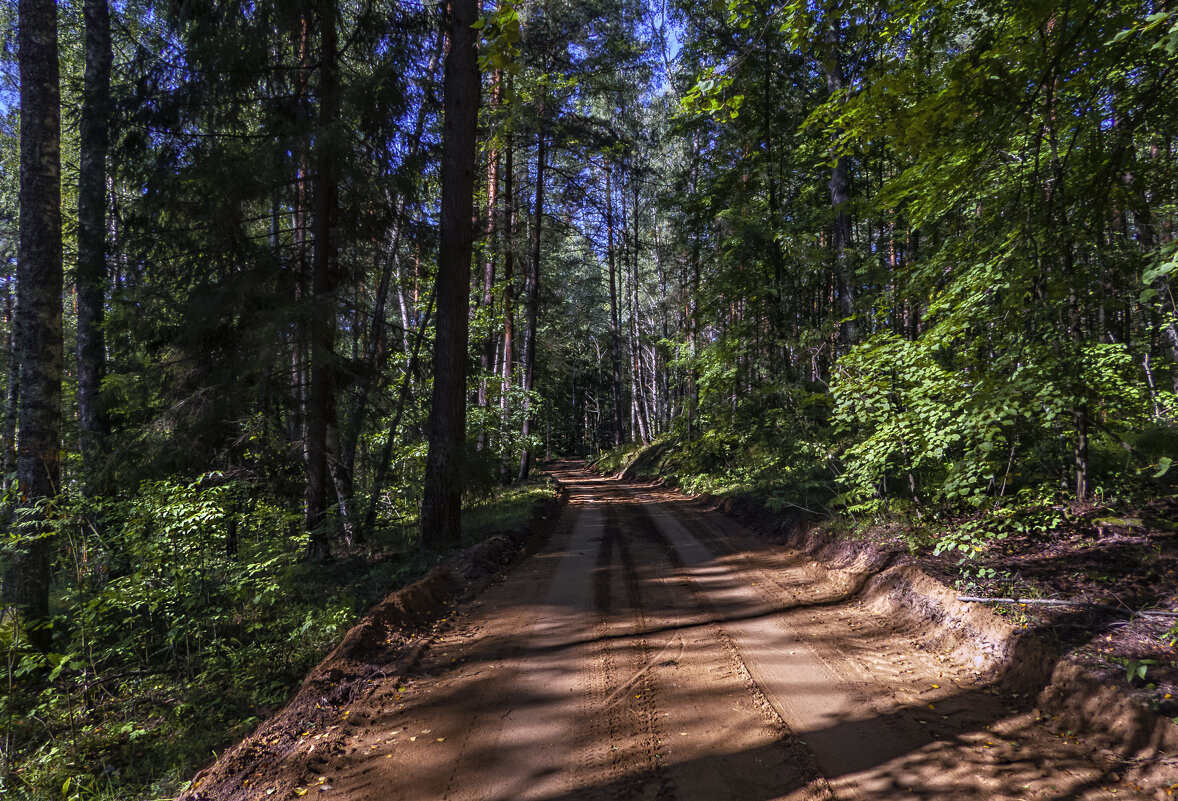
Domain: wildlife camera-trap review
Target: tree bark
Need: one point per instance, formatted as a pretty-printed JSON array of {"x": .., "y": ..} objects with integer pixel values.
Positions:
[
  {"x": 615, "y": 323},
  {"x": 641, "y": 377},
  {"x": 840, "y": 193},
  {"x": 39, "y": 287},
  {"x": 691, "y": 310},
  {"x": 299, "y": 268},
  {"x": 441, "y": 505},
  {"x": 91, "y": 270},
  {"x": 508, "y": 293},
  {"x": 487, "y": 357},
  {"x": 322, "y": 290},
  {"x": 532, "y": 299},
  {"x": 11, "y": 400}
]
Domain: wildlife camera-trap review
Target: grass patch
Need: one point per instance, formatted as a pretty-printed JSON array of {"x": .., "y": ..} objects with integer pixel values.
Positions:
[
  {"x": 509, "y": 510},
  {"x": 614, "y": 460}
]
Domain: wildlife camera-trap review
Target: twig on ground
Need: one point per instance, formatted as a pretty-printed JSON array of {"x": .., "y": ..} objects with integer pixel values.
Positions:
[{"x": 1076, "y": 604}]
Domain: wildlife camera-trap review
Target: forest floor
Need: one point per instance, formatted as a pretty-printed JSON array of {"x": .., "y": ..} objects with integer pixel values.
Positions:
[
  {"x": 1118, "y": 565},
  {"x": 656, "y": 650}
]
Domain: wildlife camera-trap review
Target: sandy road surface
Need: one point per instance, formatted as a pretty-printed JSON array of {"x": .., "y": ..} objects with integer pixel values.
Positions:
[{"x": 653, "y": 652}]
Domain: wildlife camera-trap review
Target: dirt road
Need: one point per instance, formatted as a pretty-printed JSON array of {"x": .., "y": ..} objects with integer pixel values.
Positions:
[{"x": 654, "y": 652}]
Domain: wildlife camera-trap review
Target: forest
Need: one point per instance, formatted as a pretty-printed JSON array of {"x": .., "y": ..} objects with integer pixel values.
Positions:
[{"x": 297, "y": 295}]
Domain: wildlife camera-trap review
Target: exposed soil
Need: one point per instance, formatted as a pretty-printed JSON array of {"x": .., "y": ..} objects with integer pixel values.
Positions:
[
  {"x": 1127, "y": 563},
  {"x": 1118, "y": 564},
  {"x": 656, "y": 650}
]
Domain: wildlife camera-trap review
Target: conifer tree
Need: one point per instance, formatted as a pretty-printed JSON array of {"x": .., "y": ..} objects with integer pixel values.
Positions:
[
  {"x": 39, "y": 322},
  {"x": 442, "y": 502}
]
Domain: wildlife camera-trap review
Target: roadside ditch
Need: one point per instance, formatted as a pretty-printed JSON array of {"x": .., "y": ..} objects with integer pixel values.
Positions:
[{"x": 1035, "y": 660}]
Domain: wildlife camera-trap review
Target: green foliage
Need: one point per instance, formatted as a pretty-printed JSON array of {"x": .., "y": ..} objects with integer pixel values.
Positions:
[
  {"x": 1138, "y": 668},
  {"x": 612, "y": 461},
  {"x": 710, "y": 96},
  {"x": 175, "y": 632},
  {"x": 902, "y": 409},
  {"x": 500, "y": 39},
  {"x": 968, "y": 433},
  {"x": 1023, "y": 517},
  {"x": 508, "y": 509},
  {"x": 173, "y": 603},
  {"x": 770, "y": 442}
]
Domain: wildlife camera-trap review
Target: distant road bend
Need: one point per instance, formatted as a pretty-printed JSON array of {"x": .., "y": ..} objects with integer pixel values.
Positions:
[{"x": 651, "y": 651}]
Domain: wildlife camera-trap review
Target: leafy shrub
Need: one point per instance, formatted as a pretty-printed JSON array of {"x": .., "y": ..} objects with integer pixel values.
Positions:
[
  {"x": 182, "y": 616},
  {"x": 957, "y": 435}
]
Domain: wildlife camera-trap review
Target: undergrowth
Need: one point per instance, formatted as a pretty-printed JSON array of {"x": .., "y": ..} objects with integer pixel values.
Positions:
[
  {"x": 812, "y": 472},
  {"x": 183, "y": 616}
]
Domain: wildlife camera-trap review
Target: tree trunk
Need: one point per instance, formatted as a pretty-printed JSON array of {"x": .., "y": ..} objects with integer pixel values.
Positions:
[
  {"x": 12, "y": 345},
  {"x": 39, "y": 286},
  {"x": 441, "y": 505},
  {"x": 322, "y": 290},
  {"x": 487, "y": 357},
  {"x": 663, "y": 398},
  {"x": 386, "y": 453},
  {"x": 532, "y": 299},
  {"x": 300, "y": 338},
  {"x": 376, "y": 349},
  {"x": 615, "y": 322},
  {"x": 840, "y": 189},
  {"x": 644, "y": 380},
  {"x": 508, "y": 293},
  {"x": 691, "y": 309},
  {"x": 91, "y": 271}
]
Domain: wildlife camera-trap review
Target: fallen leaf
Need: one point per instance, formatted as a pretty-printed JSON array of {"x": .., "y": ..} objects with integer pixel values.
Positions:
[{"x": 441, "y": 739}]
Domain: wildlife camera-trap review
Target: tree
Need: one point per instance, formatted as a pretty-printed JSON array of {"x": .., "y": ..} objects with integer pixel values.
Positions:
[
  {"x": 840, "y": 182},
  {"x": 321, "y": 403},
  {"x": 532, "y": 297},
  {"x": 39, "y": 327},
  {"x": 91, "y": 271},
  {"x": 441, "y": 505},
  {"x": 615, "y": 325}
]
